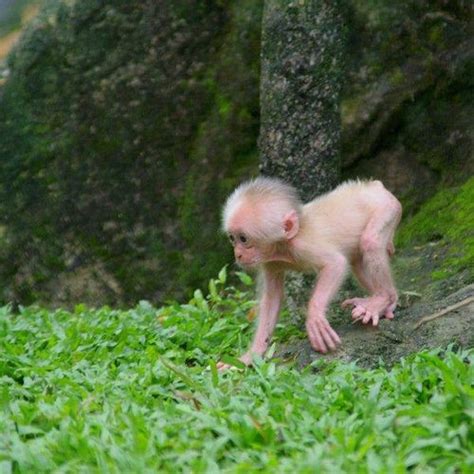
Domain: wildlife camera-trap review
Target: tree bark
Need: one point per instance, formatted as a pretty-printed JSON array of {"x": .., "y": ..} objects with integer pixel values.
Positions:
[{"x": 302, "y": 48}]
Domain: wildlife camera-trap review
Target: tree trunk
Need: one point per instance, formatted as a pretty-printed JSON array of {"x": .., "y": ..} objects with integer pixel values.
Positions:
[{"x": 302, "y": 47}]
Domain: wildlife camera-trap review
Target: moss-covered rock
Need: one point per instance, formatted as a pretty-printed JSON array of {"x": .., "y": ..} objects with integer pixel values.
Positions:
[
  {"x": 123, "y": 125},
  {"x": 119, "y": 123},
  {"x": 409, "y": 100}
]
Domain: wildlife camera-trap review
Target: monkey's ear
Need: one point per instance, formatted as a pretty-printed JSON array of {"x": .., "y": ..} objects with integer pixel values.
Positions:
[{"x": 291, "y": 224}]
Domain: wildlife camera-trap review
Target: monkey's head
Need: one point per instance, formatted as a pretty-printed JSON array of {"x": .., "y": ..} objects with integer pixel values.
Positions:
[{"x": 259, "y": 215}]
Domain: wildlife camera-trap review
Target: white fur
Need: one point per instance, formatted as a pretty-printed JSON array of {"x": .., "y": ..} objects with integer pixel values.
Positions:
[
  {"x": 269, "y": 200},
  {"x": 338, "y": 218}
]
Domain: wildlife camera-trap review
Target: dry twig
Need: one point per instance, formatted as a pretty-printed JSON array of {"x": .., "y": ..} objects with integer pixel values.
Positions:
[{"x": 444, "y": 311}]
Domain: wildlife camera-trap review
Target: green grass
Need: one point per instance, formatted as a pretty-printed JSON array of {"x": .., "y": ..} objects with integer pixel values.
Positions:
[{"x": 137, "y": 391}]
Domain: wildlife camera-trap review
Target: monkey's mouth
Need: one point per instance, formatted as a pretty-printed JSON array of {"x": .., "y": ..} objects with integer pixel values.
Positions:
[{"x": 247, "y": 265}]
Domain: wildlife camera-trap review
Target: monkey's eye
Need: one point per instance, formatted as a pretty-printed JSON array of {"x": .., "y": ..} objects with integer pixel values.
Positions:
[
  {"x": 243, "y": 239},
  {"x": 232, "y": 239}
]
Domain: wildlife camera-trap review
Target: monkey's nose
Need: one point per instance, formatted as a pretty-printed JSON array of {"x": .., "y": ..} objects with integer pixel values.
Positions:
[{"x": 238, "y": 256}]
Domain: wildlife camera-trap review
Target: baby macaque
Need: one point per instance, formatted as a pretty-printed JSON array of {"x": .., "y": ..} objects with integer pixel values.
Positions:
[{"x": 353, "y": 225}]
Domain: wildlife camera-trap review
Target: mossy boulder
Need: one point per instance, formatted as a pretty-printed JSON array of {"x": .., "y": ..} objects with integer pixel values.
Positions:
[
  {"x": 123, "y": 125},
  {"x": 409, "y": 100}
]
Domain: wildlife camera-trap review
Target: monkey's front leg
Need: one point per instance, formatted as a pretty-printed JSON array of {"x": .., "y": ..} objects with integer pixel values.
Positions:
[
  {"x": 269, "y": 308},
  {"x": 321, "y": 335}
]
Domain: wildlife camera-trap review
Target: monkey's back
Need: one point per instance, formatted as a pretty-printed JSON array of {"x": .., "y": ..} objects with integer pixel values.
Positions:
[{"x": 338, "y": 218}]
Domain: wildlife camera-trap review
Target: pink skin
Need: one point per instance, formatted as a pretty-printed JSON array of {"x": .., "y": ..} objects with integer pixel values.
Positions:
[
  {"x": 371, "y": 267},
  {"x": 269, "y": 308},
  {"x": 321, "y": 335},
  {"x": 247, "y": 256},
  {"x": 332, "y": 266}
]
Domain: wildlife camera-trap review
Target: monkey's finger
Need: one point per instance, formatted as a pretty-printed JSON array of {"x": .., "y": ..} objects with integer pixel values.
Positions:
[
  {"x": 315, "y": 338},
  {"x": 327, "y": 336},
  {"x": 334, "y": 336},
  {"x": 375, "y": 319},
  {"x": 318, "y": 343},
  {"x": 329, "y": 332}
]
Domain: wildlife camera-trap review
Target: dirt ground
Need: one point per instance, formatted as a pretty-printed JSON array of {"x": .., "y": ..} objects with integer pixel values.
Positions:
[{"x": 420, "y": 297}]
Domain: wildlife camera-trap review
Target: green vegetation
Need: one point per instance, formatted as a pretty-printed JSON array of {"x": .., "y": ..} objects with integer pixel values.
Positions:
[
  {"x": 138, "y": 391},
  {"x": 447, "y": 218}
]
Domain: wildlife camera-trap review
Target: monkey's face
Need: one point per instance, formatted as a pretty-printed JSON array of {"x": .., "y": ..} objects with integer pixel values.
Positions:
[{"x": 246, "y": 252}]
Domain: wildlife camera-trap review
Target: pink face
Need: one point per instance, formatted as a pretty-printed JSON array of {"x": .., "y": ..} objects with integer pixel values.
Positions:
[{"x": 245, "y": 251}]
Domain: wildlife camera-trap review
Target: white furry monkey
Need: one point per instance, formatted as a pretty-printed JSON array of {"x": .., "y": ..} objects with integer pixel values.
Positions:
[{"x": 353, "y": 225}]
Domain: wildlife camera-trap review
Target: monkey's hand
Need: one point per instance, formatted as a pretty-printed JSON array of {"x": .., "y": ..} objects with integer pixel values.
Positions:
[
  {"x": 246, "y": 359},
  {"x": 321, "y": 335}
]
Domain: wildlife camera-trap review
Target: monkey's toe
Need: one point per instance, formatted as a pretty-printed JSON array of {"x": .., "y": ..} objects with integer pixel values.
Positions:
[
  {"x": 352, "y": 301},
  {"x": 367, "y": 317},
  {"x": 369, "y": 309},
  {"x": 358, "y": 311}
]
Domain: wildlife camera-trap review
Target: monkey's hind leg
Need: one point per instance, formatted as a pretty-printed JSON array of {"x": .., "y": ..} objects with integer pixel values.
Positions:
[
  {"x": 372, "y": 307},
  {"x": 372, "y": 269}
]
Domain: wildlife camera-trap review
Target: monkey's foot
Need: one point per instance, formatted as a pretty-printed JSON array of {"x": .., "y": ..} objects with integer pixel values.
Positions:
[
  {"x": 246, "y": 359},
  {"x": 370, "y": 309}
]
